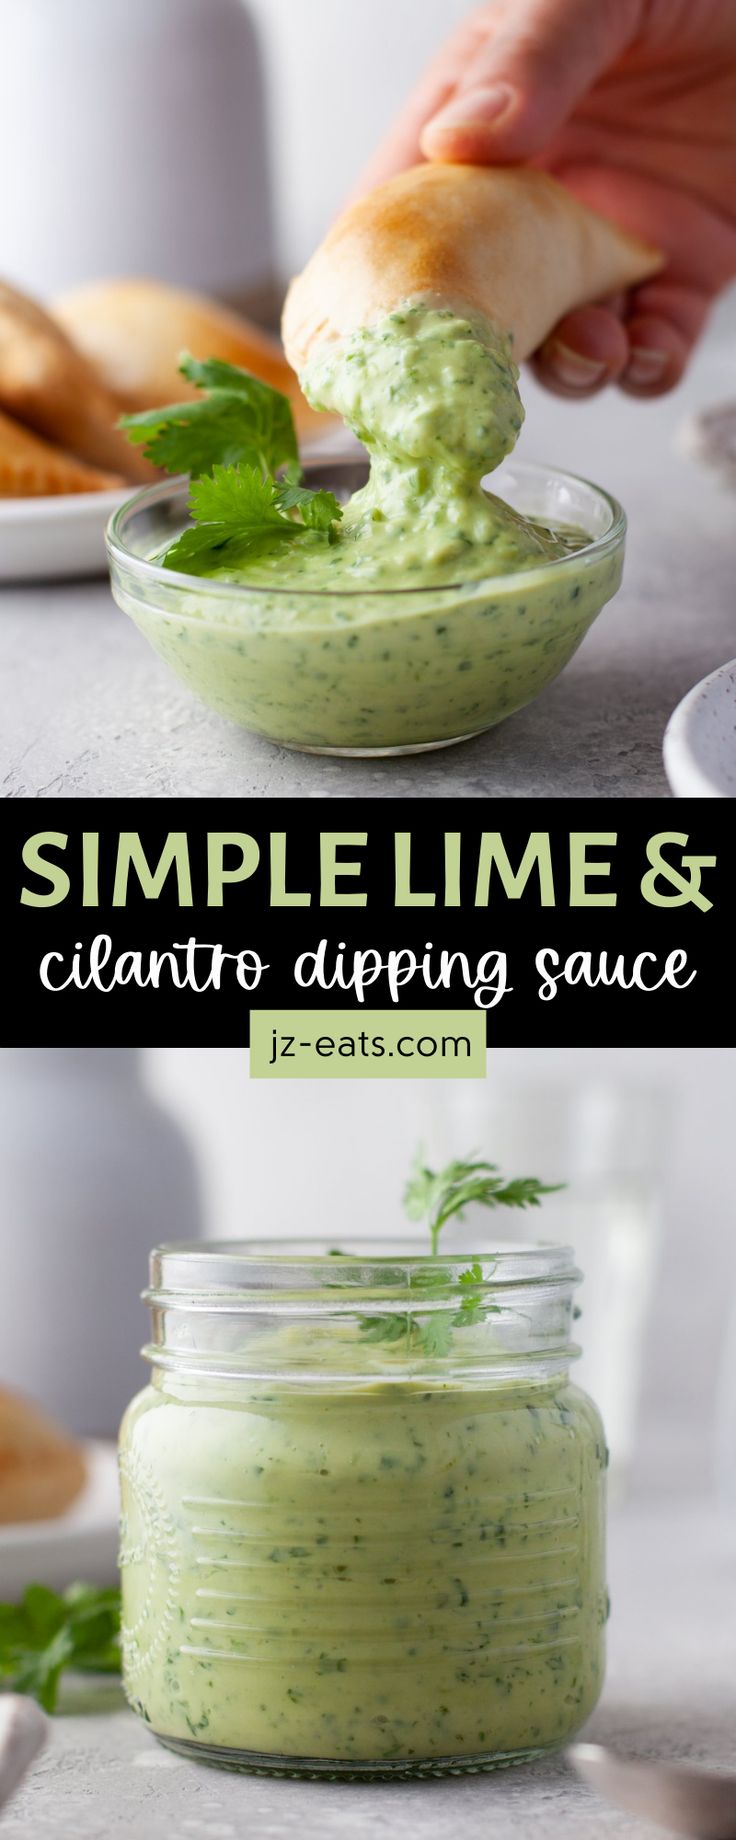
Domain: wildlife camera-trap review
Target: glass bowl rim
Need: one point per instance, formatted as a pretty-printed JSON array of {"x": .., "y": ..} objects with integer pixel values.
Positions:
[{"x": 232, "y": 592}]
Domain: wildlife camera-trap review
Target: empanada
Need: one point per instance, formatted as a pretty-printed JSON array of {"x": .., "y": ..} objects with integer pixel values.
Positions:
[
  {"x": 134, "y": 332},
  {"x": 32, "y": 468},
  {"x": 41, "y": 1469},
  {"x": 507, "y": 242},
  {"x": 49, "y": 386}
]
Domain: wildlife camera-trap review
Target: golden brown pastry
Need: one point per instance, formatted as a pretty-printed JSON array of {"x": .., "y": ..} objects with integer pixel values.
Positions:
[
  {"x": 507, "y": 242},
  {"x": 135, "y": 331},
  {"x": 32, "y": 468},
  {"x": 41, "y": 1469},
  {"x": 49, "y": 386}
]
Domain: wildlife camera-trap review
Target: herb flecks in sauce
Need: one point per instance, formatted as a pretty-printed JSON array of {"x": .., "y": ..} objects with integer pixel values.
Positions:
[
  {"x": 373, "y": 1573},
  {"x": 366, "y": 1556},
  {"x": 434, "y": 398},
  {"x": 429, "y": 610}
]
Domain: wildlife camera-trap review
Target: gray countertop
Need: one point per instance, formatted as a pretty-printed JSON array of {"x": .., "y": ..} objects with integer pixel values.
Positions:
[
  {"x": 89, "y": 710},
  {"x": 670, "y": 1691}
]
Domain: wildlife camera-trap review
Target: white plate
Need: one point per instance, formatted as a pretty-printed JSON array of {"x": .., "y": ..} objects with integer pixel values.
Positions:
[
  {"x": 56, "y": 539},
  {"x": 63, "y": 538},
  {"x": 700, "y": 739},
  {"x": 82, "y": 1543}
]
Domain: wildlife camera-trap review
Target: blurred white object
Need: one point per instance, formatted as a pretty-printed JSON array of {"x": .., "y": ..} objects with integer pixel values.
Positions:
[
  {"x": 92, "y": 1174},
  {"x": 710, "y": 436},
  {"x": 336, "y": 75},
  {"x": 23, "y": 1732},
  {"x": 700, "y": 739},
  {"x": 132, "y": 141},
  {"x": 56, "y": 539},
  {"x": 726, "y": 1419},
  {"x": 603, "y": 1139},
  {"x": 82, "y": 1543}
]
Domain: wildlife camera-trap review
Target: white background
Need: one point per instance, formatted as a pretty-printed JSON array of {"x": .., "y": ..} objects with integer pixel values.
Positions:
[
  {"x": 204, "y": 141},
  {"x": 335, "y": 73}
]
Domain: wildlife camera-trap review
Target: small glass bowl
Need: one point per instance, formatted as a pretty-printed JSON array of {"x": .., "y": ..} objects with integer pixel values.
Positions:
[{"x": 379, "y": 671}]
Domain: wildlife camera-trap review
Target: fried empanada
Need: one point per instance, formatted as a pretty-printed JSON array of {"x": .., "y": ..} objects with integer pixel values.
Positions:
[
  {"x": 507, "y": 242},
  {"x": 52, "y": 388},
  {"x": 135, "y": 331},
  {"x": 32, "y": 468}
]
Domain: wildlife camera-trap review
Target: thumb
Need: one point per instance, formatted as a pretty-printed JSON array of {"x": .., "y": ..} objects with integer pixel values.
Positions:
[{"x": 535, "y": 60}]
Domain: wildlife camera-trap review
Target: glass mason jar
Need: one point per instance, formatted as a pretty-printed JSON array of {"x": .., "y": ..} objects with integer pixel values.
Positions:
[{"x": 363, "y": 1510}]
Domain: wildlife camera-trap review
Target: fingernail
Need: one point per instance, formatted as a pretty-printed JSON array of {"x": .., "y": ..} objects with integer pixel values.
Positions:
[
  {"x": 571, "y": 368},
  {"x": 474, "y": 109},
  {"x": 646, "y": 366}
]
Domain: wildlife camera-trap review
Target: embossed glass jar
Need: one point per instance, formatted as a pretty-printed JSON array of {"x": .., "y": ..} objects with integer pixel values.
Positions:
[{"x": 363, "y": 1510}]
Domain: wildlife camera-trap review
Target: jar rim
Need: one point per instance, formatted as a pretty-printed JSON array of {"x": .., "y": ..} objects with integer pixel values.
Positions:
[
  {"x": 223, "y": 1308},
  {"x": 253, "y": 1271}
]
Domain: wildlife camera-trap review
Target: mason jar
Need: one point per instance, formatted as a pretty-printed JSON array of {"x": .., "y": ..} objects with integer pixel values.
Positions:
[{"x": 362, "y": 1510}]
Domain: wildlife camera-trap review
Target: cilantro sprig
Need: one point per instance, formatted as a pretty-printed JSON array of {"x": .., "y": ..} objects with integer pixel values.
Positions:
[
  {"x": 237, "y": 420},
  {"x": 433, "y": 1336},
  {"x": 238, "y": 444},
  {"x": 46, "y": 1633},
  {"x": 236, "y": 513},
  {"x": 435, "y": 1196}
]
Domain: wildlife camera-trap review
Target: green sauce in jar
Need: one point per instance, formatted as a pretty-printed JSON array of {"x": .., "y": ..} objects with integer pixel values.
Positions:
[{"x": 371, "y": 1574}]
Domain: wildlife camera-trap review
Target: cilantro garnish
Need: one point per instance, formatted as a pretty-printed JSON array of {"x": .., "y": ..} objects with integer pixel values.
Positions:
[
  {"x": 236, "y": 511},
  {"x": 434, "y": 1196},
  {"x": 46, "y": 1633},
  {"x": 239, "y": 446},
  {"x": 238, "y": 420},
  {"x": 319, "y": 510}
]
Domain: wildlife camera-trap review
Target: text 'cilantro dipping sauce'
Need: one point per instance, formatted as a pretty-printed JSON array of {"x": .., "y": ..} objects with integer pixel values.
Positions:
[{"x": 362, "y": 1528}]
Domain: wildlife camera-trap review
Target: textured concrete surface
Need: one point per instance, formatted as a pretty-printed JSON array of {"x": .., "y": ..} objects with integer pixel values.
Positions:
[
  {"x": 671, "y": 1691},
  {"x": 88, "y": 709}
]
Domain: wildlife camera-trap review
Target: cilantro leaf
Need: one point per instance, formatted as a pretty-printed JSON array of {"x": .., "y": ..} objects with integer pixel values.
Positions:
[
  {"x": 436, "y": 1334},
  {"x": 237, "y": 498},
  {"x": 437, "y": 1195},
  {"x": 232, "y": 442},
  {"x": 473, "y": 1275},
  {"x": 217, "y": 374},
  {"x": 236, "y": 512},
  {"x": 384, "y": 1328},
  {"x": 434, "y": 1196},
  {"x": 318, "y": 509},
  {"x": 46, "y": 1633},
  {"x": 433, "y": 1335},
  {"x": 238, "y": 421}
]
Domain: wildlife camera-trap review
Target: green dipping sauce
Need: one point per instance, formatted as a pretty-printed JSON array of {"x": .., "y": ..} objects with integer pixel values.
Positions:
[
  {"x": 435, "y": 401},
  {"x": 438, "y": 609},
  {"x": 373, "y": 1573}
]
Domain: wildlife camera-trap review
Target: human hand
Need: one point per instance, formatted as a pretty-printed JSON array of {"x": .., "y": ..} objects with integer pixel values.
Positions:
[{"x": 632, "y": 105}]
